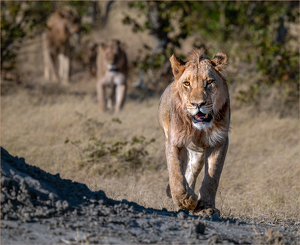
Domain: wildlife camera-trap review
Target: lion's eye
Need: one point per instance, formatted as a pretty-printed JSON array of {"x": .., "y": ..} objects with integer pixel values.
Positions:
[
  {"x": 210, "y": 81},
  {"x": 186, "y": 83}
]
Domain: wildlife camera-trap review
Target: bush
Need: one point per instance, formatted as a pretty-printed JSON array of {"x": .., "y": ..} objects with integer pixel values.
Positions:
[{"x": 260, "y": 28}]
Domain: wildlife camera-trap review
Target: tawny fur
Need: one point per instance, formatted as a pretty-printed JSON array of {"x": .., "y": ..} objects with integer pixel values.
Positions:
[
  {"x": 111, "y": 74},
  {"x": 199, "y": 88},
  {"x": 56, "y": 45}
]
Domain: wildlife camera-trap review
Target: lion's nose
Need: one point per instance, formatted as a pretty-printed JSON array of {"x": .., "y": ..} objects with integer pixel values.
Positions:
[{"x": 198, "y": 104}]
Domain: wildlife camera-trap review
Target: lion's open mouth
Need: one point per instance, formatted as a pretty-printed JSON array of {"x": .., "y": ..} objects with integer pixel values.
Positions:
[
  {"x": 201, "y": 117},
  {"x": 114, "y": 69}
]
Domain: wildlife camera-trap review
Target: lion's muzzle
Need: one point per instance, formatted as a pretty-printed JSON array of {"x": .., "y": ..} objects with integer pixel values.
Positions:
[
  {"x": 113, "y": 69},
  {"x": 202, "y": 117}
]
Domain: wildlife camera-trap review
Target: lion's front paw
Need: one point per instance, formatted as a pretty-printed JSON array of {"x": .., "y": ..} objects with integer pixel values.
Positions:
[
  {"x": 206, "y": 210},
  {"x": 187, "y": 201}
]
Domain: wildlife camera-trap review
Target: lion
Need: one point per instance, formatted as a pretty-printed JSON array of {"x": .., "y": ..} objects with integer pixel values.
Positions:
[
  {"x": 111, "y": 74},
  {"x": 56, "y": 45},
  {"x": 194, "y": 114}
]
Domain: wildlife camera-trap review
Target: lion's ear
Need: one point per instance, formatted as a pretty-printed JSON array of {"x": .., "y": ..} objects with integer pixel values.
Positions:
[
  {"x": 177, "y": 66},
  {"x": 220, "y": 61},
  {"x": 64, "y": 13},
  {"x": 60, "y": 13}
]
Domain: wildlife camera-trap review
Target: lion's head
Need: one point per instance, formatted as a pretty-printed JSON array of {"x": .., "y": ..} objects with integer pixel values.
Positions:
[
  {"x": 71, "y": 22},
  {"x": 200, "y": 90},
  {"x": 113, "y": 55},
  {"x": 62, "y": 25}
]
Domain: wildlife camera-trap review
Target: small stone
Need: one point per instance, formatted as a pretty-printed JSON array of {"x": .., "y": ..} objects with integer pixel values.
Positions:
[
  {"x": 181, "y": 215},
  {"x": 65, "y": 204},
  {"x": 13, "y": 193},
  {"x": 75, "y": 212},
  {"x": 131, "y": 209},
  {"x": 93, "y": 201},
  {"x": 52, "y": 196},
  {"x": 58, "y": 204},
  {"x": 227, "y": 223},
  {"x": 101, "y": 202}
]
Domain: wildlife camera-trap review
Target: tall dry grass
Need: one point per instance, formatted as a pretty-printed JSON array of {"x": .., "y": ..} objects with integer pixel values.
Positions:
[{"x": 54, "y": 129}]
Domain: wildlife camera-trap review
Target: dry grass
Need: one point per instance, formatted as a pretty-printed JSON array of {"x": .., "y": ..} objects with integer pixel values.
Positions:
[{"x": 52, "y": 130}]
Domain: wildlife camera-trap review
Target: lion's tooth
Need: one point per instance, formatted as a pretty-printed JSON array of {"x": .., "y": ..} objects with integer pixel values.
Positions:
[{"x": 206, "y": 115}]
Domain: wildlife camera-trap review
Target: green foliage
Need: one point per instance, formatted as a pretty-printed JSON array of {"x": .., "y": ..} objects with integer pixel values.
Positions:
[
  {"x": 249, "y": 96},
  {"x": 21, "y": 20},
  {"x": 260, "y": 29},
  {"x": 160, "y": 17}
]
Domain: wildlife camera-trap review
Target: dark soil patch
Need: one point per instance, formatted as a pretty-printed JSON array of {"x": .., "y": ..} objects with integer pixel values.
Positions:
[{"x": 40, "y": 208}]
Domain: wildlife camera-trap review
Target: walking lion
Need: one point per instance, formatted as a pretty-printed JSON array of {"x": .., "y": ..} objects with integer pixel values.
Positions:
[
  {"x": 56, "y": 45},
  {"x": 194, "y": 113},
  {"x": 111, "y": 75}
]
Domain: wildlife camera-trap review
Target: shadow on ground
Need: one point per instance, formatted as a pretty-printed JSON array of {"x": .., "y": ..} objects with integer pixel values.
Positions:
[{"x": 41, "y": 208}]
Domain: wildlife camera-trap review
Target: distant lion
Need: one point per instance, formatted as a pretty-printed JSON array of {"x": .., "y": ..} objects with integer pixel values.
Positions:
[
  {"x": 111, "y": 74},
  {"x": 56, "y": 45},
  {"x": 194, "y": 113}
]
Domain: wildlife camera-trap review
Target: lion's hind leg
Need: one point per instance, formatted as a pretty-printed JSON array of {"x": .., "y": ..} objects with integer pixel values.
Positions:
[
  {"x": 213, "y": 169},
  {"x": 64, "y": 68},
  {"x": 120, "y": 96},
  {"x": 101, "y": 95},
  {"x": 110, "y": 95},
  {"x": 50, "y": 73}
]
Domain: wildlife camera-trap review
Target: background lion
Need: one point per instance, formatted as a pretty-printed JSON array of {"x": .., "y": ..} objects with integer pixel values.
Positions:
[
  {"x": 194, "y": 113},
  {"x": 56, "y": 45},
  {"x": 111, "y": 74}
]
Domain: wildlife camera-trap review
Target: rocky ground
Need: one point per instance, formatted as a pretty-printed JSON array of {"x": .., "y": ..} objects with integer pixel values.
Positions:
[{"x": 40, "y": 208}]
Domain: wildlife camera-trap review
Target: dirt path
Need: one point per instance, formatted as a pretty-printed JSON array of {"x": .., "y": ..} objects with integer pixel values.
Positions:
[{"x": 40, "y": 208}]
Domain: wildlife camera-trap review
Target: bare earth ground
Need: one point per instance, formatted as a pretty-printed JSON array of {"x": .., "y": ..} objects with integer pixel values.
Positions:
[{"x": 40, "y": 208}]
